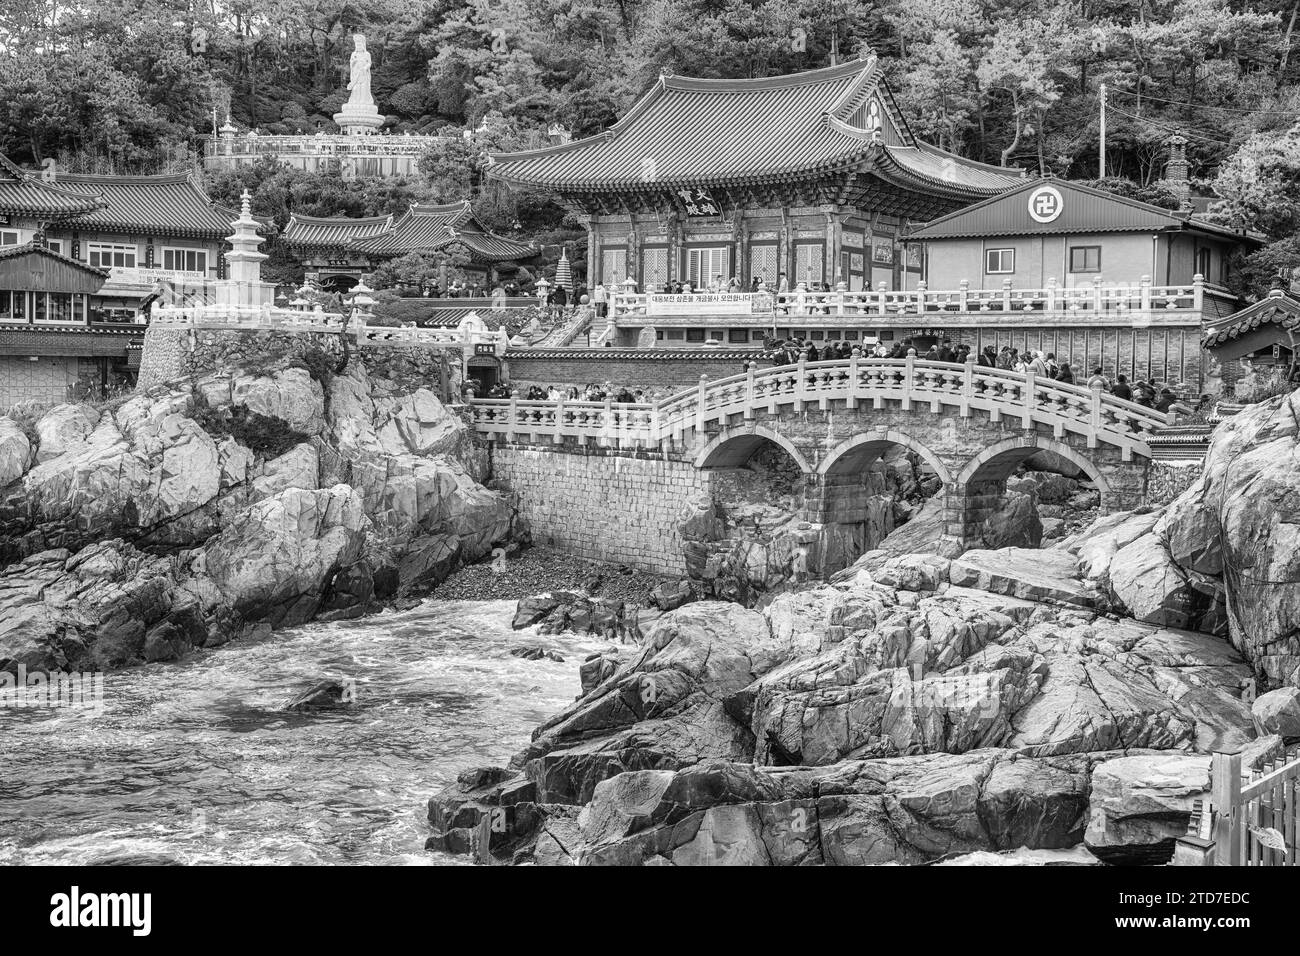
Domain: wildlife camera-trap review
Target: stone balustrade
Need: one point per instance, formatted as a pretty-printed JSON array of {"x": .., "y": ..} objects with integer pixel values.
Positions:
[
  {"x": 925, "y": 387},
  {"x": 1095, "y": 300}
]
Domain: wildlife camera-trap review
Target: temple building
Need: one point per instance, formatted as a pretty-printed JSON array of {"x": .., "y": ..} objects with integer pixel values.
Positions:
[
  {"x": 83, "y": 255},
  {"x": 337, "y": 252},
  {"x": 1257, "y": 344},
  {"x": 814, "y": 176}
]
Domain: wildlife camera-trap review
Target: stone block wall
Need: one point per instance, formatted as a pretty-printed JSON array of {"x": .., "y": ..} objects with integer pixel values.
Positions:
[
  {"x": 602, "y": 504},
  {"x": 1166, "y": 480}
]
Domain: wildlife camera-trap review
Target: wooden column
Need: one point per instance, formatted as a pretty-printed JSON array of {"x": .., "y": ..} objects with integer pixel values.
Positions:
[
  {"x": 674, "y": 247},
  {"x": 592, "y": 265},
  {"x": 834, "y": 230}
]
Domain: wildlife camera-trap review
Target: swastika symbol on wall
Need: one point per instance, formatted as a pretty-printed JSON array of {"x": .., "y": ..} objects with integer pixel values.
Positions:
[{"x": 1045, "y": 204}]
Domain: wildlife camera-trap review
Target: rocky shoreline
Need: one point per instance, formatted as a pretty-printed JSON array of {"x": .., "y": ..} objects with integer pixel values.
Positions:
[
  {"x": 257, "y": 497},
  {"x": 916, "y": 707}
]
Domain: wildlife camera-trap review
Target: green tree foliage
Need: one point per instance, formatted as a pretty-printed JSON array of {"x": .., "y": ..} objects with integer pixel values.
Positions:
[{"x": 131, "y": 85}]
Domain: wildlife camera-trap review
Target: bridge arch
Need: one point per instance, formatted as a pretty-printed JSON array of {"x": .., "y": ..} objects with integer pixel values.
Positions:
[
  {"x": 998, "y": 462},
  {"x": 863, "y": 450},
  {"x": 732, "y": 447}
]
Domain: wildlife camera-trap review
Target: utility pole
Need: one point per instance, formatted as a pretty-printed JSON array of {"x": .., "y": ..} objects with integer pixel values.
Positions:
[{"x": 1101, "y": 146}]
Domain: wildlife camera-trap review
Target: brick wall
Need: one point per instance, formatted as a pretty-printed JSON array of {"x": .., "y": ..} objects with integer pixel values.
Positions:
[{"x": 602, "y": 504}]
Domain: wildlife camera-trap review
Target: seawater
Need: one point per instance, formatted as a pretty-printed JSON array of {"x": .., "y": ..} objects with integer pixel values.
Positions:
[{"x": 193, "y": 763}]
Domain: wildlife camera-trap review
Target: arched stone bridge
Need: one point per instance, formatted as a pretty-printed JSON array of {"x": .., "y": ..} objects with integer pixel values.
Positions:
[{"x": 973, "y": 426}]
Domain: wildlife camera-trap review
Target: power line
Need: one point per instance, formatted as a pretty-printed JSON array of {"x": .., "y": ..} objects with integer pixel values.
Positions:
[
  {"x": 1203, "y": 106},
  {"x": 1170, "y": 129}
]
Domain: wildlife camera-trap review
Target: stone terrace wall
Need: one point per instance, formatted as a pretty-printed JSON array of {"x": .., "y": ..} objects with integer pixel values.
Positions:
[
  {"x": 176, "y": 353},
  {"x": 665, "y": 370},
  {"x": 602, "y": 504}
]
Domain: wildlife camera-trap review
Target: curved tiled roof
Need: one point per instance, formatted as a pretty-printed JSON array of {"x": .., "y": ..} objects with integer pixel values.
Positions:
[
  {"x": 429, "y": 228},
  {"x": 333, "y": 231},
  {"x": 1277, "y": 309},
  {"x": 172, "y": 205},
  {"x": 24, "y": 193},
  {"x": 721, "y": 132},
  {"x": 13, "y": 252}
]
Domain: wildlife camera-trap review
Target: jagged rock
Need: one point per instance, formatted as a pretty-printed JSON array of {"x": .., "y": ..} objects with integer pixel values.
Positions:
[
  {"x": 899, "y": 810},
  {"x": 323, "y": 695},
  {"x": 15, "y": 452},
  {"x": 63, "y": 429},
  {"x": 1278, "y": 712},
  {"x": 536, "y": 654},
  {"x": 597, "y": 669},
  {"x": 1033, "y": 575},
  {"x": 273, "y": 560},
  {"x": 1014, "y": 525},
  {"x": 1141, "y": 804},
  {"x": 1147, "y": 583},
  {"x": 536, "y": 607},
  {"x": 671, "y": 595},
  {"x": 289, "y": 394}
]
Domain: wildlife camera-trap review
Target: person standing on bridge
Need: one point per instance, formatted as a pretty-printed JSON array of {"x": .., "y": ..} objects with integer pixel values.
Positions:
[
  {"x": 1098, "y": 380},
  {"x": 945, "y": 352},
  {"x": 989, "y": 357},
  {"x": 1038, "y": 365}
]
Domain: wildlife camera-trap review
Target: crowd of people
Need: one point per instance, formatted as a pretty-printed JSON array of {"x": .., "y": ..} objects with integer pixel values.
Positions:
[{"x": 592, "y": 392}]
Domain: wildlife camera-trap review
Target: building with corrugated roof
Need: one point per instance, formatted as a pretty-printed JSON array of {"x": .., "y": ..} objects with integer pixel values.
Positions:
[
  {"x": 337, "y": 252},
  {"x": 814, "y": 175}
]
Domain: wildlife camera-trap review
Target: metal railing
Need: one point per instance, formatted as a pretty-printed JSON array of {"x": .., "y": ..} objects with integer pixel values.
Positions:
[{"x": 1098, "y": 416}]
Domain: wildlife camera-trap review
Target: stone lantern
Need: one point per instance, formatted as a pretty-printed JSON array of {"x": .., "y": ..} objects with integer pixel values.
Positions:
[{"x": 543, "y": 288}]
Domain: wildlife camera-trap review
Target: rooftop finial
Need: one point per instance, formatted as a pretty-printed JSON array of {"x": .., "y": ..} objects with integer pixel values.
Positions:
[{"x": 246, "y": 205}]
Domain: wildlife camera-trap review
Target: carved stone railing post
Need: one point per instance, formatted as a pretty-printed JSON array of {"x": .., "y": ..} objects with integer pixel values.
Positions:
[
  {"x": 1144, "y": 293},
  {"x": 1006, "y": 295},
  {"x": 920, "y": 297},
  {"x": 700, "y": 403},
  {"x": 1094, "y": 415},
  {"x": 1097, "y": 300},
  {"x": 801, "y": 384},
  {"x": 1050, "y": 304},
  {"x": 852, "y": 398},
  {"x": 1198, "y": 293},
  {"x": 750, "y": 368},
  {"x": 1028, "y": 399},
  {"x": 909, "y": 379},
  {"x": 967, "y": 386},
  {"x": 963, "y": 293}
]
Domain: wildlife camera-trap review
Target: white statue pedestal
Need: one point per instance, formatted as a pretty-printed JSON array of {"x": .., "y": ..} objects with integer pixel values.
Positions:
[{"x": 358, "y": 120}]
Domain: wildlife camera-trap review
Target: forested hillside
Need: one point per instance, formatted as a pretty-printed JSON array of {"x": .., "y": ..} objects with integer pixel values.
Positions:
[{"x": 129, "y": 85}]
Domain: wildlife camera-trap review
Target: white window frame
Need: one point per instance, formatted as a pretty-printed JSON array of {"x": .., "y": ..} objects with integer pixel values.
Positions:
[
  {"x": 6, "y": 240},
  {"x": 113, "y": 249},
  {"x": 1003, "y": 253},
  {"x": 56, "y": 245},
  {"x": 182, "y": 252}
]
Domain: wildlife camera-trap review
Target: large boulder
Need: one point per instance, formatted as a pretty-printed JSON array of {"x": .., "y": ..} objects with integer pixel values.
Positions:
[
  {"x": 63, "y": 429},
  {"x": 1015, "y": 524},
  {"x": 1278, "y": 712},
  {"x": 289, "y": 394},
  {"x": 274, "y": 560},
  {"x": 1025, "y": 573},
  {"x": 1146, "y": 583},
  {"x": 15, "y": 451},
  {"x": 1141, "y": 804}
]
